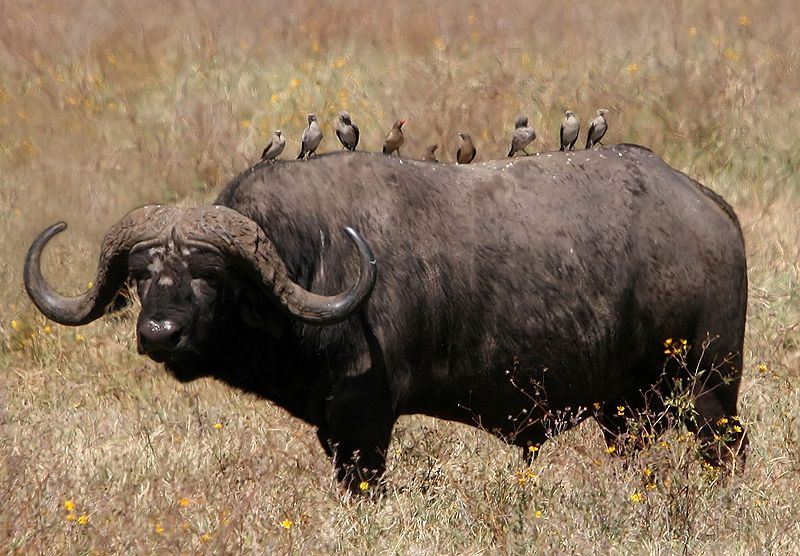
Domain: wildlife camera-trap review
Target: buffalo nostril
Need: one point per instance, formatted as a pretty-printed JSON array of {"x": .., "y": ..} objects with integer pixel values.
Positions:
[{"x": 156, "y": 335}]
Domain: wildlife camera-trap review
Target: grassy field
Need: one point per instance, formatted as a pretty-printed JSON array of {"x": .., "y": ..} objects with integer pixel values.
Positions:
[{"x": 105, "y": 106}]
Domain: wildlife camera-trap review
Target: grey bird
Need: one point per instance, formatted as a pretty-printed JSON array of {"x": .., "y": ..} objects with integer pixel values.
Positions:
[
  {"x": 394, "y": 139},
  {"x": 312, "y": 137},
  {"x": 570, "y": 128},
  {"x": 597, "y": 128},
  {"x": 430, "y": 153},
  {"x": 466, "y": 152},
  {"x": 275, "y": 146},
  {"x": 347, "y": 131},
  {"x": 522, "y": 137}
]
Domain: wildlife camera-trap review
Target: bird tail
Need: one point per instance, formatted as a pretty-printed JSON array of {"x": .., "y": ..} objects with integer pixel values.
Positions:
[
  {"x": 302, "y": 154},
  {"x": 511, "y": 152},
  {"x": 589, "y": 143},
  {"x": 385, "y": 150}
]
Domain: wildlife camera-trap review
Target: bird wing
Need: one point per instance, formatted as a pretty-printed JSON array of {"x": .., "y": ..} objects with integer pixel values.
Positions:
[
  {"x": 562, "y": 134},
  {"x": 458, "y": 155},
  {"x": 358, "y": 135},
  {"x": 474, "y": 153},
  {"x": 339, "y": 135},
  {"x": 266, "y": 149}
]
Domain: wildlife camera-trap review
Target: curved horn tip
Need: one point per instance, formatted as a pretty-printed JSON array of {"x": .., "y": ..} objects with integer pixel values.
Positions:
[{"x": 361, "y": 243}]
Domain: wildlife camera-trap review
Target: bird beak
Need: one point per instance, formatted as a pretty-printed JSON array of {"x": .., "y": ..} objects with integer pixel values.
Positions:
[{"x": 402, "y": 123}]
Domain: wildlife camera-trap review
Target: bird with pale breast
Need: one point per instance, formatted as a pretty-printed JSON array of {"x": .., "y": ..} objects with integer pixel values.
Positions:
[
  {"x": 597, "y": 129},
  {"x": 347, "y": 131},
  {"x": 312, "y": 137},
  {"x": 570, "y": 128},
  {"x": 275, "y": 146}
]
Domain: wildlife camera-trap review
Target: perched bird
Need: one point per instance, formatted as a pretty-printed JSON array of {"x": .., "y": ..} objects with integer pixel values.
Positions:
[
  {"x": 347, "y": 131},
  {"x": 570, "y": 128},
  {"x": 466, "y": 152},
  {"x": 394, "y": 140},
  {"x": 430, "y": 153},
  {"x": 312, "y": 137},
  {"x": 275, "y": 146},
  {"x": 597, "y": 128},
  {"x": 522, "y": 137}
]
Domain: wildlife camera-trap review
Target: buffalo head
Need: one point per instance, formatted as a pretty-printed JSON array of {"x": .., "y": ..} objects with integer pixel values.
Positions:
[{"x": 192, "y": 268}]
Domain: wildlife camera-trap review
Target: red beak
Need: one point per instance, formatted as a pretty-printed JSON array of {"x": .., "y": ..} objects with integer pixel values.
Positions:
[{"x": 402, "y": 123}]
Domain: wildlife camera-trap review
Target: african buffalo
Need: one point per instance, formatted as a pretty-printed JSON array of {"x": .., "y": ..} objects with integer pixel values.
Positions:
[{"x": 518, "y": 296}]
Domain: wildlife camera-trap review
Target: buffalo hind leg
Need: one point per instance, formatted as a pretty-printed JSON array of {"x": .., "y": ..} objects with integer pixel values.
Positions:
[
  {"x": 721, "y": 436},
  {"x": 357, "y": 430}
]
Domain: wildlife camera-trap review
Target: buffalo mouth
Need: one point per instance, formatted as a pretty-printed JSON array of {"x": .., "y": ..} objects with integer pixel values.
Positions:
[{"x": 185, "y": 366}]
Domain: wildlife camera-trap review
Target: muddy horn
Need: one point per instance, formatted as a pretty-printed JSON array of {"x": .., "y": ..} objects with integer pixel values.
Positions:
[
  {"x": 137, "y": 226},
  {"x": 245, "y": 242},
  {"x": 239, "y": 237}
]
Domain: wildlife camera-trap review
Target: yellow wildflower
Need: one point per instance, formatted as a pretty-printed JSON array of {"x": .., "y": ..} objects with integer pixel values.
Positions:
[
  {"x": 205, "y": 537},
  {"x": 537, "y": 514},
  {"x": 183, "y": 502},
  {"x": 651, "y": 486},
  {"x": 620, "y": 410},
  {"x": 744, "y": 20},
  {"x": 218, "y": 426},
  {"x": 79, "y": 338},
  {"x": 69, "y": 505},
  {"x": 636, "y": 497},
  {"x": 48, "y": 329},
  {"x": 83, "y": 519},
  {"x": 363, "y": 485},
  {"x": 295, "y": 83},
  {"x": 647, "y": 471},
  {"x": 245, "y": 124},
  {"x": 722, "y": 421},
  {"x": 732, "y": 55},
  {"x": 692, "y": 31},
  {"x": 612, "y": 449},
  {"x": 287, "y": 523},
  {"x": 158, "y": 528},
  {"x": 762, "y": 368},
  {"x": 632, "y": 68},
  {"x": 737, "y": 428},
  {"x": 533, "y": 449},
  {"x": 438, "y": 43},
  {"x": 70, "y": 517},
  {"x": 596, "y": 406}
]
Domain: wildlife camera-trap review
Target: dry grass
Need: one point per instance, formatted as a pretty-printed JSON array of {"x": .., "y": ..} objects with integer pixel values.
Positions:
[{"x": 108, "y": 105}]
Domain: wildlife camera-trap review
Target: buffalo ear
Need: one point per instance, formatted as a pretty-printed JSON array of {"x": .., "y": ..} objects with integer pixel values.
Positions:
[{"x": 257, "y": 312}]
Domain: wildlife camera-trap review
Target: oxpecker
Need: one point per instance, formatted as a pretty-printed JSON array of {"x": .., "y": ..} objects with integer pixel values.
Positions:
[
  {"x": 275, "y": 146},
  {"x": 347, "y": 131},
  {"x": 395, "y": 139},
  {"x": 430, "y": 153},
  {"x": 466, "y": 152},
  {"x": 597, "y": 128},
  {"x": 522, "y": 137},
  {"x": 312, "y": 137},
  {"x": 570, "y": 128}
]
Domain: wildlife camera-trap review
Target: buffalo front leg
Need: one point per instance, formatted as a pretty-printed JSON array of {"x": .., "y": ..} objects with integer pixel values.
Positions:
[{"x": 358, "y": 425}]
